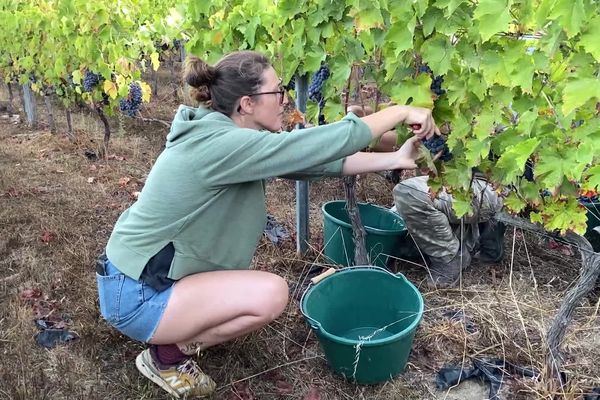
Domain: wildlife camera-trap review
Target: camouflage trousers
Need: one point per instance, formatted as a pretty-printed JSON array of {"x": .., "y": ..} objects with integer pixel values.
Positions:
[{"x": 433, "y": 224}]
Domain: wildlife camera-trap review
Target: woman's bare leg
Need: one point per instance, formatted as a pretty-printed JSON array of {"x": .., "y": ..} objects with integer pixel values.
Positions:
[{"x": 209, "y": 308}]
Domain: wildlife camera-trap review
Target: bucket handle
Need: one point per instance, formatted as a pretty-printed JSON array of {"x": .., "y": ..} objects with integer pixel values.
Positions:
[{"x": 316, "y": 325}]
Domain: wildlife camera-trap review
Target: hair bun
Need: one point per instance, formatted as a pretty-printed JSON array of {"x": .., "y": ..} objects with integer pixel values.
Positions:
[
  {"x": 200, "y": 76},
  {"x": 201, "y": 94}
]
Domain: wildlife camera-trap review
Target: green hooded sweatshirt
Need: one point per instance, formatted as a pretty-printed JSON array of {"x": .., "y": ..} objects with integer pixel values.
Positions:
[{"x": 206, "y": 194}]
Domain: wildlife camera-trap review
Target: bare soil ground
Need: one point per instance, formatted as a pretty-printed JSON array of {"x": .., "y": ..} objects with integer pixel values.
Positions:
[{"x": 58, "y": 206}]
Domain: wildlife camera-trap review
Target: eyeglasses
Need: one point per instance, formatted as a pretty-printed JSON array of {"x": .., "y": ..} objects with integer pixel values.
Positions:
[{"x": 280, "y": 92}]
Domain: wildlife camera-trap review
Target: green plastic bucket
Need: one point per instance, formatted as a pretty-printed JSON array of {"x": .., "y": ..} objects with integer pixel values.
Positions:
[
  {"x": 384, "y": 228},
  {"x": 365, "y": 319},
  {"x": 593, "y": 220}
]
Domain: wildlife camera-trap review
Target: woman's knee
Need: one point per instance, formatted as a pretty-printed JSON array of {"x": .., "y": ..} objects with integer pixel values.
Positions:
[{"x": 272, "y": 297}]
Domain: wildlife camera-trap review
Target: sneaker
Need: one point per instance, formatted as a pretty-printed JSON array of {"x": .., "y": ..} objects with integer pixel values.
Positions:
[{"x": 182, "y": 380}]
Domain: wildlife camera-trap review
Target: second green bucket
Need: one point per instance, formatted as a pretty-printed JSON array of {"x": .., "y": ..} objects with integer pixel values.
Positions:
[
  {"x": 385, "y": 230},
  {"x": 593, "y": 220},
  {"x": 365, "y": 319}
]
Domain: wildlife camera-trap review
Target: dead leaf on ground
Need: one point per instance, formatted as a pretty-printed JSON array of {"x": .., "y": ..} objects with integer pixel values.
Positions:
[
  {"x": 562, "y": 248},
  {"x": 124, "y": 181},
  {"x": 116, "y": 157},
  {"x": 91, "y": 179},
  {"x": 30, "y": 294},
  {"x": 284, "y": 387},
  {"x": 313, "y": 394},
  {"x": 240, "y": 391},
  {"x": 47, "y": 236}
]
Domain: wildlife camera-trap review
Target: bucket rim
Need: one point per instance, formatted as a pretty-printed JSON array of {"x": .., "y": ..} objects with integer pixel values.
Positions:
[
  {"x": 383, "y": 232},
  {"x": 342, "y": 340}
]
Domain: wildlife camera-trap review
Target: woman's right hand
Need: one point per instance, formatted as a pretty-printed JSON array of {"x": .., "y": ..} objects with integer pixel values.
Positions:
[{"x": 420, "y": 120}]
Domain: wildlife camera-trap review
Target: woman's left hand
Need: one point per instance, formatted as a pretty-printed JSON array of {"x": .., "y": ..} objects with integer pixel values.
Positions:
[{"x": 408, "y": 153}]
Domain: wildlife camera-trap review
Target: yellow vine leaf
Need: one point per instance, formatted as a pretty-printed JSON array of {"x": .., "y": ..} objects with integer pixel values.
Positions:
[
  {"x": 123, "y": 66},
  {"x": 110, "y": 89},
  {"x": 146, "y": 92},
  {"x": 155, "y": 61}
]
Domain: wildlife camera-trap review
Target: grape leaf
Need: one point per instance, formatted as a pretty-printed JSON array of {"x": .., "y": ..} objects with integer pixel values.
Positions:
[
  {"x": 494, "y": 70},
  {"x": 530, "y": 191},
  {"x": 449, "y": 5},
  {"x": 430, "y": 19},
  {"x": 425, "y": 161},
  {"x": 577, "y": 92},
  {"x": 512, "y": 162},
  {"x": 476, "y": 150},
  {"x": 461, "y": 203},
  {"x": 437, "y": 52},
  {"x": 146, "y": 91},
  {"x": 110, "y": 89},
  {"x": 592, "y": 178},
  {"x": 401, "y": 34},
  {"x": 457, "y": 175},
  {"x": 418, "y": 89},
  {"x": 526, "y": 122},
  {"x": 155, "y": 61},
  {"x": 553, "y": 165},
  {"x": 570, "y": 14},
  {"x": 493, "y": 16},
  {"x": 565, "y": 215},
  {"x": 367, "y": 18},
  {"x": 514, "y": 203},
  {"x": 589, "y": 38}
]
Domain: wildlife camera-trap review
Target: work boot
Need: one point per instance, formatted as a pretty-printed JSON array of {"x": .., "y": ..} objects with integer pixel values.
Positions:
[
  {"x": 444, "y": 275},
  {"x": 183, "y": 380},
  {"x": 491, "y": 242}
]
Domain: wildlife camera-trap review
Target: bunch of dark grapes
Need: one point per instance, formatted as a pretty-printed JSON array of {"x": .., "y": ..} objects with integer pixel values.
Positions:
[
  {"x": 32, "y": 78},
  {"x": 317, "y": 82},
  {"x": 436, "y": 144},
  {"x": 90, "y": 80},
  {"x": 436, "y": 85},
  {"x": 161, "y": 46},
  {"x": 131, "y": 104},
  {"x": 436, "y": 81},
  {"x": 176, "y": 44},
  {"x": 70, "y": 82},
  {"x": 576, "y": 123},
  {"x": 528, "y": 171},
  {"x": 105, "y": 99},
  {"x": 291, "y": 85},
  {"x": 315, "y": 89}
]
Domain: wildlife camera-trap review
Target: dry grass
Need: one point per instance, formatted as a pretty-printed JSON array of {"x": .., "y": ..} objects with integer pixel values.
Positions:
[{"x": 54, "y": 223}]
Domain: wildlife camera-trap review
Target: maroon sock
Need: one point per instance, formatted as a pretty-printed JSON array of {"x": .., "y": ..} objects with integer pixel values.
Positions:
[{"x": 167, "y": 355}]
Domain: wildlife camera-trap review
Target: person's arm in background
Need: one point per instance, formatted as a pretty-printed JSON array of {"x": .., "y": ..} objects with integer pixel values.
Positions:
[
  {"x": 387, "y": 142},
  {"x": 363, "y": 162},
  {"x": 418, "y": 119},
  {"x": 382, "y": 122}
]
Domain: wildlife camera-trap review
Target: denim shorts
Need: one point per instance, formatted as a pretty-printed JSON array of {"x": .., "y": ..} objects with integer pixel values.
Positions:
[{"x": 131, "y": 306}]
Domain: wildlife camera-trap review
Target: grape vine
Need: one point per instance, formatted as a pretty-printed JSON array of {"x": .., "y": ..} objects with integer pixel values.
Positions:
[{"x": 507, "y": 77}]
